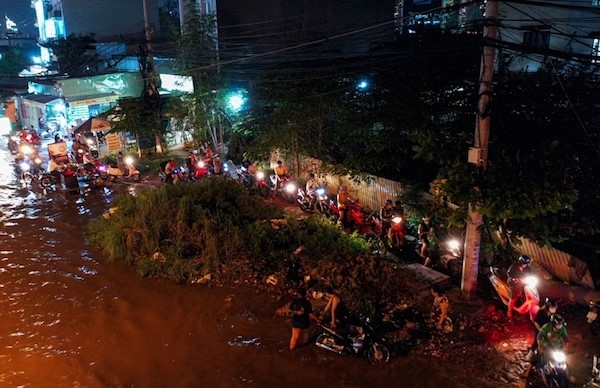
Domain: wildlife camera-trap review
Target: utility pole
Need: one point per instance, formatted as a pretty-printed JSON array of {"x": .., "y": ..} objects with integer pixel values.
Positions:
[
  {"x": 478, "y": 154},
  {"x": 151, "y": 94}
]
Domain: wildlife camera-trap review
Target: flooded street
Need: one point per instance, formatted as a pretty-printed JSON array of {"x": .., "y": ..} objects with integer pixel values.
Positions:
[{"x": 69, "y": 318}]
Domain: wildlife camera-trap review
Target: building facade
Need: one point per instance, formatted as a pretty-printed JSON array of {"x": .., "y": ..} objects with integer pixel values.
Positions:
[
  {"x": 559, "y": 28},
  {"x": 107, "y": 20}
]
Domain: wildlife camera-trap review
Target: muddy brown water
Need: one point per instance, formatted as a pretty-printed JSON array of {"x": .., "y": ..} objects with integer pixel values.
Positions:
[{"x": 70, "y": 318}]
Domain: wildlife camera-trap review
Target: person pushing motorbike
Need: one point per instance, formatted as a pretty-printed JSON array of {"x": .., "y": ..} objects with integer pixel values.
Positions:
[{"x": 516, "y": 282}]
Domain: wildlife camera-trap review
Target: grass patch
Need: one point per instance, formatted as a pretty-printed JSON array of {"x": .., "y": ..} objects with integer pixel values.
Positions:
[{"x": 182, "y": 232}]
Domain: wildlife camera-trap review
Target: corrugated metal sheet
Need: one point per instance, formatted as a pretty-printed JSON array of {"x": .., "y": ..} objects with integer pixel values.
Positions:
[{"x": 562, "y": 265}]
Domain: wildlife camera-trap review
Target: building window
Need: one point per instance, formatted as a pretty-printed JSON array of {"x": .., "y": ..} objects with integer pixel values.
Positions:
[
  {"x": 537, "y": 39},
  {"x": 595, "y": 3},
  {"x": 596, "y": 50}
]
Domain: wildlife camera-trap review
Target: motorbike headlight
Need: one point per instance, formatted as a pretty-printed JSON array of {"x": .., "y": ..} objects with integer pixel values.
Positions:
[
  {"x": 260, "y": 175},
  {"x": 129, "y": 160},
  {"x": 454, "y": 245},
  {"x": 320, "y": 191},
  {"x": 90, "y": 142},
  {"x": 531, "y": 281},
  {"x": 559, "y": 356},
  {"x": 26, "y": 150},
  {"x": 24, "y": 166},
  {"x": 397, "y": 220},
  {"x": 38, "y": 161},
  {"x": 200, "y": 164},
  {"x": 290, "y": 187},
  {"x": 14, "y": 138}
]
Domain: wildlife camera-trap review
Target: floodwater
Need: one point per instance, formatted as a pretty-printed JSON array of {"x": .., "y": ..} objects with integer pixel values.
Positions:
[{"x": 69, "y": 318}]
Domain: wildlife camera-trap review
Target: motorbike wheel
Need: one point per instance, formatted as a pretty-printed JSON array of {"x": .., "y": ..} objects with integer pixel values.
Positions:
[
  {"x": 27, "y": 178},
  {"x": 136, "y": 177},
  {"x": 289, "y": 198},
  {"x": 378, "y": 354}
]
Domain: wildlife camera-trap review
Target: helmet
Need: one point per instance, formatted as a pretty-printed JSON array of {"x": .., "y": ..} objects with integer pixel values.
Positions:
[
  {"x": 388, "y": 201},
  {"x": 524, "y": 260},
  {"x": 557, "y": 320}
]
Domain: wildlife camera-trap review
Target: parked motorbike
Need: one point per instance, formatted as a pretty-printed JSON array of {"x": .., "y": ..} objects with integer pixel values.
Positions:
[
  {"x": 530, "y": 298},
  {"x": 593, "y": 319},
  {"x": 130, "y": 171},
  {"x": 363, "y": 341},
  {"x": 554, "y": 372}
]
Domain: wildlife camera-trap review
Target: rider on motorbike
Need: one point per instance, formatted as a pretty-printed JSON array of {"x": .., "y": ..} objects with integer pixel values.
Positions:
[
  {"x": 311, "y": 187},
  {"x": 342, "y": 204},
  {"x": 386, "y": 214},
  {"x": 516, "y": 282},
  {"x": 552, "y": 335}
]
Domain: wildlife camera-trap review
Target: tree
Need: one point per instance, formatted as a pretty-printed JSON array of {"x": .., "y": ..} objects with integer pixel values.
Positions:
[
  {"x": 197, "y": 57},
  {"x": 540, "y": 180},
  {"x": 74, "y": 55},
  {"x": 12, "y": 62}
]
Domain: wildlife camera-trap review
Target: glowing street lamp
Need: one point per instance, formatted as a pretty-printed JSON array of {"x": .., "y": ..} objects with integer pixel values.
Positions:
[
  {"x": 362, "y": 84},
  {"x": 236, "y": 101}
]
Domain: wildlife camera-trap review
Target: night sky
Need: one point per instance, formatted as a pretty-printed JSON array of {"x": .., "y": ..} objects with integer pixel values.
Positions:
[{"x": 20, "y": 12}]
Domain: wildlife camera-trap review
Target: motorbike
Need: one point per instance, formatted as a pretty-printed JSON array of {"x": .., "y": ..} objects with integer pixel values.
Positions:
[
  {"x": 362, "y": 341},
  {"x": 319, "y": 200},
  {"x": 261, "y": 187},
  {"x": 593, "y": 319},
  {"x": 129, "y": 172},
  {"x": 595, "y": 380},
  {"x": 286, "y": 187},
  {"x": 554, "y": 372},
  {"x": 451, "y": 256},
  {"x": 530, "y": 298},
  {"x": 397, "y": 233}
]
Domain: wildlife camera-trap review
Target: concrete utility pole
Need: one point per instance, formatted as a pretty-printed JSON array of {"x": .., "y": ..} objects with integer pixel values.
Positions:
[{"x": 478, "y": 154}]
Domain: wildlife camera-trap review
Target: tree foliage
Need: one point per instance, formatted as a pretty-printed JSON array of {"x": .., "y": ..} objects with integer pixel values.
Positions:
[
  {"x": 12, "y": 62},
  {"x": 73, "y": 54}
]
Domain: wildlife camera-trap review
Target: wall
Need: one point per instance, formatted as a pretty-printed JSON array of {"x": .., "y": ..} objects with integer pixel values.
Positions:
[{"x": 108, "y": 19}]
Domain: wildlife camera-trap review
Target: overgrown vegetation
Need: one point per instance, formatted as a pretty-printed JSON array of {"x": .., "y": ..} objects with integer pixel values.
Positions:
[{"x": 184, "y": 232}]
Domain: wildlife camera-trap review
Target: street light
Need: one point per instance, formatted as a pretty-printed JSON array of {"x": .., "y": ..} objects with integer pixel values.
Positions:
[{"x": 236, "y": 101}]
